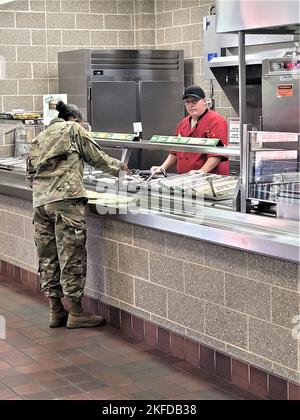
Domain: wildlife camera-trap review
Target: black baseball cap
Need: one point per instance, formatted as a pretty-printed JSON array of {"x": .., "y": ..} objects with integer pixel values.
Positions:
[{"x": 195, "y": 91}]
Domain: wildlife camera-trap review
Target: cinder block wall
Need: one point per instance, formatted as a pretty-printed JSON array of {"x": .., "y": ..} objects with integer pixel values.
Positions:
[
  {"x": 7, "y": 139},
  {"x": 33, "y": 31},
  {"x": 236, "y": 302}
]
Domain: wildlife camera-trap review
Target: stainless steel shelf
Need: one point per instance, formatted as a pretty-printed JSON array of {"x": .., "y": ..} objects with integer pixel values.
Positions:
[{"x": 147, "y": 145}]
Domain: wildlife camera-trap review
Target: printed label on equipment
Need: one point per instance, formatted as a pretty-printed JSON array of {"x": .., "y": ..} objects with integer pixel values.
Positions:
[
  {"x": 286, "y": 78},
  {"x": 284, "y": 90}
]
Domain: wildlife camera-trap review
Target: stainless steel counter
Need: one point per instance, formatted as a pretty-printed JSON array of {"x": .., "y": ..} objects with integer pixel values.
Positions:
[{"x": 262, "y": 235}]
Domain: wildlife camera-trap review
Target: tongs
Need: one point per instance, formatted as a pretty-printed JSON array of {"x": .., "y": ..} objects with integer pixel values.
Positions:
[
  {"x": 134, "y": 176},
  {"x": 140, "y": 180},
  {"x": 210, "y": 182},
  {"x": 162, "y": 170}
]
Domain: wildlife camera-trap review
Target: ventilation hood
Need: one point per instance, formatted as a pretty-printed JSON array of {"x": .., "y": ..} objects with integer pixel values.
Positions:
[{"x": 258, "y": 16}]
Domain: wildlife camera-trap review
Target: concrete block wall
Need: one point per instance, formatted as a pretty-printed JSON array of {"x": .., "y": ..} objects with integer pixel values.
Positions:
[
  {"x": 33, "y": 31},
  {"x": 145, "y": 24},
  {"x": 236, "y": 302},
  {"x": 7, "y": 140},
  {"x": 16, "y": 233}
]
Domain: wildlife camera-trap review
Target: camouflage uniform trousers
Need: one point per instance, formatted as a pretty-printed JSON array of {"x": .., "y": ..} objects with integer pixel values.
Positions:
[{"x": 60, "y": 238}]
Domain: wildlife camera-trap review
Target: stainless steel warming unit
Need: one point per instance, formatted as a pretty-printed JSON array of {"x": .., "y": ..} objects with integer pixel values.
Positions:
[
  {"x": 254, "y": 53},
  {"x": 281, "y": 94}
]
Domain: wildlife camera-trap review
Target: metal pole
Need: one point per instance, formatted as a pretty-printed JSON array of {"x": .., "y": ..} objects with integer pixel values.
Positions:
[
  {"x": 242, "y": 81},
  {"x": 243, "y": 119},
  {"x": 245, "y": 169}
]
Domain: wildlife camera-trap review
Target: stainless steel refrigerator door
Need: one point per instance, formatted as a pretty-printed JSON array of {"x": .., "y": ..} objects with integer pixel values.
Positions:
[
  {"x": 161, "y": 107},
  {"x": 161, "y": 111},
  {"x": 113, "y": 106}
]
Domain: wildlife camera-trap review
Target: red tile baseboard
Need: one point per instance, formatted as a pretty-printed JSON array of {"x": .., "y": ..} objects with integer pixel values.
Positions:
[
  {"x": 241, "y": 374},
  {"x": 223, "y": 366},
  {"x": 177, "y": 346},
  {"x": 192, "y": 352},
  {"x": 258, "y": 382}
]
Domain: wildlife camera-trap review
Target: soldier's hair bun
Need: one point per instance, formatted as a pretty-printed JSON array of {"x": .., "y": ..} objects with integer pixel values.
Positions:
[
  {"x": 66, "y": 111},
  {"x": 60, "y": 106}
]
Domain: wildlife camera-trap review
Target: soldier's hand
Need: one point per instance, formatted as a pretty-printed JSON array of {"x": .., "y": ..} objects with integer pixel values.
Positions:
[{"x": 124, "y": 167}]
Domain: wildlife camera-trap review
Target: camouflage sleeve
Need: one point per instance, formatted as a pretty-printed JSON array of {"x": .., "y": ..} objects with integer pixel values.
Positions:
[
  {"x": 94, "y": 155},
  {"x": 30, "y": 172}
]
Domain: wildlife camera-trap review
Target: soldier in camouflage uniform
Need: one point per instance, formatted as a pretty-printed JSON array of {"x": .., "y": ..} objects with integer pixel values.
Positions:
[{"x": 55, "y": 171}]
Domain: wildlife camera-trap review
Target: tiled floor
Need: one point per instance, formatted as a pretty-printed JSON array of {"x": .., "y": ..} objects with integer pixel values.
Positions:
[{"x": 37, "y": 362}]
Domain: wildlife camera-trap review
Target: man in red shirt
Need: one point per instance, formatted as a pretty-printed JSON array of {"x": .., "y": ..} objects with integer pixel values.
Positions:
[{"x": 200, "y": 122}]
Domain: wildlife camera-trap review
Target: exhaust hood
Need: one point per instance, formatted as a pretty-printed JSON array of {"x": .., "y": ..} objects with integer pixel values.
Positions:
[{"x": 258, "y": 16}]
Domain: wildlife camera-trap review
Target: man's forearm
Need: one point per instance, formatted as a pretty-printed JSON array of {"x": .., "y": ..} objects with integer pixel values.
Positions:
[
  {"x": 169, "y": 162},
  {"x": 211, "y": 163}
]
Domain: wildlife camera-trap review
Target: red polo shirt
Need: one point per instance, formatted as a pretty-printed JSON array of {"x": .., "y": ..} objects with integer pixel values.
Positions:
[{"x": 210, "y": 125}]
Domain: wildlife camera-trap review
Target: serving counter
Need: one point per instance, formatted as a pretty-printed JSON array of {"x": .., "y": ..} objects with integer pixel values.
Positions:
[{"x": 224, "y": 284}]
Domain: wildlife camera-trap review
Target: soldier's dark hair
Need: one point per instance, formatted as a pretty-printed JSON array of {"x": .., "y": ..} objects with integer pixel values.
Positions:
[{"x": 66, "y": 111}]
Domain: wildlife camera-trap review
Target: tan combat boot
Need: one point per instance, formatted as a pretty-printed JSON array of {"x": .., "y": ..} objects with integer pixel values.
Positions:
[
  {"x": 58, "y": 314},
  {"x": 78, "y": 318}
]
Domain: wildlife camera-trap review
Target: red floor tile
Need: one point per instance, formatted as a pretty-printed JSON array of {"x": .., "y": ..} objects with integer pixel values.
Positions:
[{"x": 39, "y": 363}]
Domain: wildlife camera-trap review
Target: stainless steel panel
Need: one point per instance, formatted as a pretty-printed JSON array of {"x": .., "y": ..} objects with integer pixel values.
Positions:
[
  {"x": 114, "y": 109},
  {"x": 161, "y": 110},
  {"x": 280, "y": 113},
  {"x": 137, "y": 65},
  {"x": 161, "y": 107},
  {"x": 211, "y": 44},
  {"x": 245, "y": 15},
  {"x": 113, "y": 106}
]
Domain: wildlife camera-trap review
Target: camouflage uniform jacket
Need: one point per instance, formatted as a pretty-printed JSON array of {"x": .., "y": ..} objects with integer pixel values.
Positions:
[{"x": 56, "y": 162}]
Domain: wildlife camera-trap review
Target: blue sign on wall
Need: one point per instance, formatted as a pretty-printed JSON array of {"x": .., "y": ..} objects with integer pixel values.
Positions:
[{"x": 210, "y": 56}]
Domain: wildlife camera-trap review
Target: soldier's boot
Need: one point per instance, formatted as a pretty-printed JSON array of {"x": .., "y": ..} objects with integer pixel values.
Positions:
[
  {"x": 58, "y": 314},
  {"x": 78, "y": 318}
]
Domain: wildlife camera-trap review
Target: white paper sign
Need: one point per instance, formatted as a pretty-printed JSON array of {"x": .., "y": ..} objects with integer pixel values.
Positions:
[
  {"x": 234, "y": 131},
  {"x": 137, "y": 127},
  {"x": 49, "y": 104}
]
